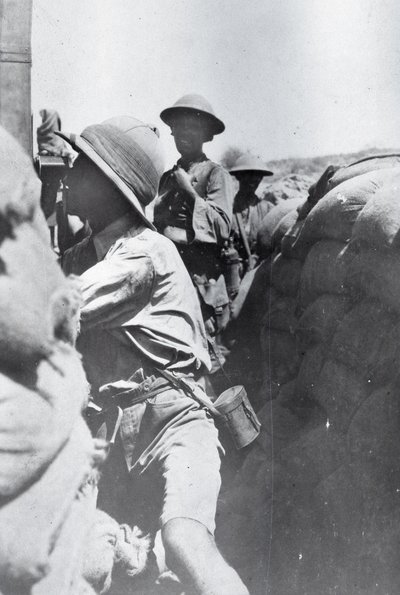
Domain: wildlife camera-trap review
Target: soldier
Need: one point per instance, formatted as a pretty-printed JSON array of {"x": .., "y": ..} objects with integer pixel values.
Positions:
[
  {"x": 142, "y": 340},
  {"x": 248, "y": 209},
  {"x": 194, "y": 204}
]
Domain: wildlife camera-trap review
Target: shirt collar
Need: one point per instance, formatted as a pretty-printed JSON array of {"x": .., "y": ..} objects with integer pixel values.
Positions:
[
  {"x": 187, "y": 163},
  {"x": 109, "y": 235}
]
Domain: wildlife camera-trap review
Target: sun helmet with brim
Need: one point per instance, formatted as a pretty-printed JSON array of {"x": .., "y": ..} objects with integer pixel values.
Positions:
[
  {"x": 128, "y": 152},
  {"x": 249, "y": 163},
  {"x": 196, "y": 104}
]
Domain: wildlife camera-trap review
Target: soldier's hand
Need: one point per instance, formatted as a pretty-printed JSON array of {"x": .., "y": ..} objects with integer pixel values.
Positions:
[{"x": 183, "y": 180}]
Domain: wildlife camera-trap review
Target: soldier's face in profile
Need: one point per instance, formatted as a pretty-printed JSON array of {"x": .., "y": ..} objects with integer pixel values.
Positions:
[
  {"x": 85, "y": 187},
  {"x": 189, "y": 134}
]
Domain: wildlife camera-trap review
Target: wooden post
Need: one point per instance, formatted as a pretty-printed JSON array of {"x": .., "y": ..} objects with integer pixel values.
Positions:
[{"x": 15, "y": 69}]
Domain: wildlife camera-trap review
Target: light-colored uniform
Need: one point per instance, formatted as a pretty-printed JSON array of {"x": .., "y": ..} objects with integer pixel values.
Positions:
[{"x": 141, "y": 312}]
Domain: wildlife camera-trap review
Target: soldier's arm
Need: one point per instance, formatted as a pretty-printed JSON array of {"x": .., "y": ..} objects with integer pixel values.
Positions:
[
  {"x": 116, "y": 289},
  {"x": 212, "y": 215}
]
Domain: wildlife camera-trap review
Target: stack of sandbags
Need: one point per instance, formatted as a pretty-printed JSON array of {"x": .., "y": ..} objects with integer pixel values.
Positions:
[
  {"x": 271, "y": 229},
  {"x": 330, "y": 435},
  {"x": 277, "y": 322},
  {"x": 46, "y": 452},
  {"x": 348, "y": 332},
  {"x": 258, "y": 305}
]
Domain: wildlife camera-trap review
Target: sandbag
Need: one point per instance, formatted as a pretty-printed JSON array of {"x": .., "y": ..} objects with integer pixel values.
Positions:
[
  {"x": 288, "y": 242},
  {"x": 361, "y": 167},
  {"x": 375, "y": 275},
  {"x": 36, "y": 421},
  {"x": 373, "y": 440},
  {"x": 374, "y": 454},
  {"x": 312, "y": 457},
  {"x": 340, "y": 391},
  {"x": 270, "y": 222},
  {"x": 309, "y": 370},
  {"x": 334, "y": 215},
  {"x": 19, "y": 185},
  {"x": 285, "y": 275},
  {"x": 30, "y": 522},
  {"x": 280, "y": 359},
  {"x": 331, "y": 560},
  {"x": 368, "y": 341},
  {"x": 378, "y": 224},
  {"x": 252, "y": 288},
  {"x": 280, "y": 312},
  {"x": 284, "y": 225},
  {"x": 324, "y": 271},
  {"x": 35, "y": 300},
  {"x": 286, "y": 418},
  {"x": 319, "y": 321}
]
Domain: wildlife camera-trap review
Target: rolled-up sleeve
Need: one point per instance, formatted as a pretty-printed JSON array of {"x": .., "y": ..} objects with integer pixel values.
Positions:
[
  {"x": 116, "y": 289},
  {"x": 212, "y": 215}
]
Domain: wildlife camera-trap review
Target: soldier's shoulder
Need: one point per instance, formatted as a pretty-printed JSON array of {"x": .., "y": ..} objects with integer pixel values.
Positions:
[
  {"x": 218, "y": 169},
  {"x": 153, "y": 240}
]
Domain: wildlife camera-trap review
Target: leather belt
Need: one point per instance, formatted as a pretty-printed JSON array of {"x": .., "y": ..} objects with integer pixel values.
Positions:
[{"x": 150, "y": 387}]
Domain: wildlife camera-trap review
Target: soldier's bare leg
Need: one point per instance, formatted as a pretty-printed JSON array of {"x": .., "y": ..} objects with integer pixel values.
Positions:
[{"x": 192, "y": 554}]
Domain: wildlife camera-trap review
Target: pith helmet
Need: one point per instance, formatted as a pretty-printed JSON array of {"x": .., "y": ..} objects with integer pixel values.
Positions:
[
  {"x": 128, "y": 152},
  {"x": 196, "y": 104},
  {"x": 249, "y": 163}
]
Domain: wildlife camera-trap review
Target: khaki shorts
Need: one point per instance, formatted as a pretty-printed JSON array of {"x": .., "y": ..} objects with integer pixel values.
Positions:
[{"x": 171, "y": 467}]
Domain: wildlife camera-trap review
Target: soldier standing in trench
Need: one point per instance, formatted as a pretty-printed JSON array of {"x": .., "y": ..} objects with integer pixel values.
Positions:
[
  {"x": 248, "y": 209},
  {"x": 194, "y": 208},
  {"x": 142, "y": 336}
]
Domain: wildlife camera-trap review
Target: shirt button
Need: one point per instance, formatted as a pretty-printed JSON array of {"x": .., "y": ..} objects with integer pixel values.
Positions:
[{"x": 146, "y": 387}]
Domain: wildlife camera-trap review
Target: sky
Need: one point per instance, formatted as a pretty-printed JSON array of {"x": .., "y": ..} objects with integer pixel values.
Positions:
[{"x": 289, "y": 78}]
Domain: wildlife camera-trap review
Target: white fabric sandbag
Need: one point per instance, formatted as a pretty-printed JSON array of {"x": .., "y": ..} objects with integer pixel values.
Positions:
[
  {"x": 30, "y": 287},
  {"x": 270, "y": 222},
  {"x": 340, "y": 391},
  {"x": 334, "y": 215},
  {"x": 362, "y": 167},
  {"x": 324, "y": 271},
  {"x": 319, "y": 321},
  {"x": 378, "y": 224},
  {"x": 36, "y": 421},
  {"x": 19, "y": 184},
  {"x": 30, "y": 522},
  {"x": 368, "y": 341},
  {"x": 285, "y": 275}
]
